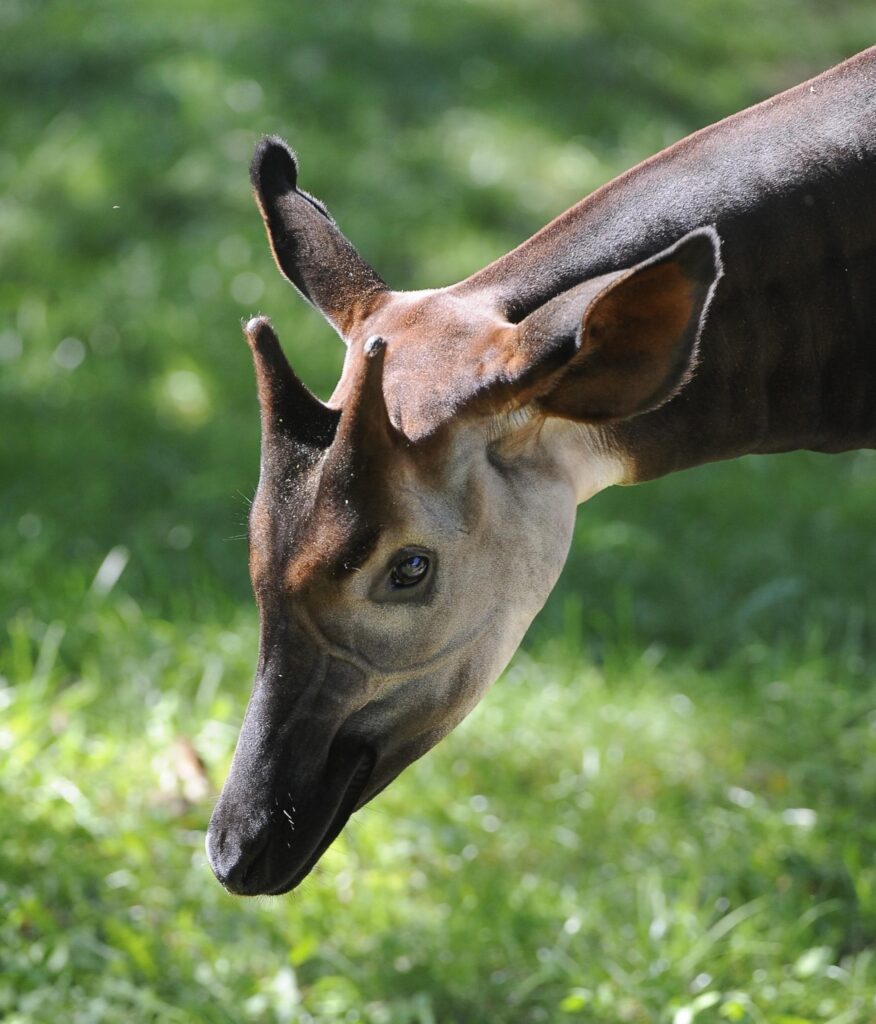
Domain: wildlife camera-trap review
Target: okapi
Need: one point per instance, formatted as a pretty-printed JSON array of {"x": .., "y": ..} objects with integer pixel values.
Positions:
[{"x": 718, "y": 299}]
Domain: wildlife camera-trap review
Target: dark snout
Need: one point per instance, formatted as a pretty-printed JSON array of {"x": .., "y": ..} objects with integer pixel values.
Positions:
[
  {"x": 296, "y": 777},
  {"x": 267, "y": 847}
]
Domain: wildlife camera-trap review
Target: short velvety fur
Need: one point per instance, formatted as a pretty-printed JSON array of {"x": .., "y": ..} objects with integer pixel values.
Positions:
[
  {"x": 788, "y": 352},
  {"x": 469, "y": 421}
]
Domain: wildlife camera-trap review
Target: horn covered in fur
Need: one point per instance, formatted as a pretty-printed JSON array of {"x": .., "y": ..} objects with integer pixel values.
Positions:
[
  {"x": 289, "y": 410},
  {"x": 365, "y": 434}
]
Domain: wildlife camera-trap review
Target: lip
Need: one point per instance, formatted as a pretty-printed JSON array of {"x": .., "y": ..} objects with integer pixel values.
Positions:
[{"x": 347, "y": 805}]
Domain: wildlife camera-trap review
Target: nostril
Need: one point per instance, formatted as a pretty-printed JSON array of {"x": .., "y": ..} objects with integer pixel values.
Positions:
[{"x": 235, "y": 862}]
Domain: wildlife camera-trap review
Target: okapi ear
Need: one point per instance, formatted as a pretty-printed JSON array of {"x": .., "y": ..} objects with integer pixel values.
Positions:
[
  {"x": 625, "y": 343},
  {"x": 308, "y": 246}
]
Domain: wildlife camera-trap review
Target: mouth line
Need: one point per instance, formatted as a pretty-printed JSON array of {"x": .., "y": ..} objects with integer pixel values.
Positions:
[{"x": 355, "y": 787}]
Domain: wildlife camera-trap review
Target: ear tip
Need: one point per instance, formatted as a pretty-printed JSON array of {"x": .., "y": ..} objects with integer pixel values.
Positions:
[
  {"x": 274, "y": 167},
  {"x": 700, "y": 250},
  {"x": 707, "y": 235}
]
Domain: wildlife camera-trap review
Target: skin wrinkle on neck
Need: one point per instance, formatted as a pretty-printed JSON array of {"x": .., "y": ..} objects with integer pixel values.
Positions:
[
  {"x": 586, "y": 457},
  {"x": 585, "y": 454}
]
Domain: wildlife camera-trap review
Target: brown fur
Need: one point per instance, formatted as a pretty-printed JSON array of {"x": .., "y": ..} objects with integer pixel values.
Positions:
[{"x": 467, "y": 436}]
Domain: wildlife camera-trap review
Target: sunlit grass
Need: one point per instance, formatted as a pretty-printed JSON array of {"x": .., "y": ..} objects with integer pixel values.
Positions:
[{"x": 620, "y": 843}]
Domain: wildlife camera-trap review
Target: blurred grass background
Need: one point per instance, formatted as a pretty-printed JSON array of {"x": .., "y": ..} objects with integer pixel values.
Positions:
[{"x": 665, "y": 810}]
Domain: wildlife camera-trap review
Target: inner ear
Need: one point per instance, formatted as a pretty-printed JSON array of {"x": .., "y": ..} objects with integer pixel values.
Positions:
[{"x": 638, "y": 334}]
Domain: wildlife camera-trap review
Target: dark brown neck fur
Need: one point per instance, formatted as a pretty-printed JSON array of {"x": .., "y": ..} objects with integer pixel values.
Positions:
[{"x": 788, "y": 354}]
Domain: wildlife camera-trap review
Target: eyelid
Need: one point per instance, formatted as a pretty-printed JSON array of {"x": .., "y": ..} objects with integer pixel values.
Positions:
[{"x": 408, "y": 551}]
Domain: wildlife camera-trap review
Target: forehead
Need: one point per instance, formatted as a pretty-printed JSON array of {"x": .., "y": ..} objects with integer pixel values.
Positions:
[
  {"x": 322, "y": 512},
  {"x": 311, "y": 523},
  {"x": 434, "y": 310},
  {"x": 327, "y": 521},
  {"x": 439, "y": 344}
]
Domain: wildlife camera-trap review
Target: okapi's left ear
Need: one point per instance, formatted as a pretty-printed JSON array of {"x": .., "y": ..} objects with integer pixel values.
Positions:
[
  {"x": 624, "y": 343},
  {"x": 309, "y": 248}
]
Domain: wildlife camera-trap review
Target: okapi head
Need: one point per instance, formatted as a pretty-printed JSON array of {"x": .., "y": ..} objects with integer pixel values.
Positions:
[{"x": 404, "y": 535}]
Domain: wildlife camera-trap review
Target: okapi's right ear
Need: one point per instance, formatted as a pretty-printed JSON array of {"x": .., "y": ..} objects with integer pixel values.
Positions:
[
  {"x": 307, "y": 245},
  {"x": 625, "y": 343}
]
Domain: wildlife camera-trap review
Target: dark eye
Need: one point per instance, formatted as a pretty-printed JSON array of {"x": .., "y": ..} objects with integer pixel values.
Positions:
[{"x": 409, "y": 571}]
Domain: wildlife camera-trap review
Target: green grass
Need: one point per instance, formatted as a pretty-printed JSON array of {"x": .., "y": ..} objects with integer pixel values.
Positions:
[{"x": 666, "y": 810}]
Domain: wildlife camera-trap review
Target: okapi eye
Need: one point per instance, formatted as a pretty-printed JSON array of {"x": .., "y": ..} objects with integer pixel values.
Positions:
[{"x": 410, "y": 571}]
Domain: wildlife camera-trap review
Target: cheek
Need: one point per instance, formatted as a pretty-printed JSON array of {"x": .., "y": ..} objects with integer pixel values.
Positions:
[
  {"x": 420, "y": 710},
  {"x": 555, "y": 539},
  {"x": 533, "y": 547},
  {"x": 393, "y": 639}
]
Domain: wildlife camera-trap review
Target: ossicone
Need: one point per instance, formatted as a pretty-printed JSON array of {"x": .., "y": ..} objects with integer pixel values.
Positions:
[
  {"x": 289, "y": 410},
  {"x": 366, "y": 433}
]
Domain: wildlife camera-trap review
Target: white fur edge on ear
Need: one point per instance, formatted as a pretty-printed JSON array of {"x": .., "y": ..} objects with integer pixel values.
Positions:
[
  {"x": 690, "y": 243},
  {"x": 552, "y": 334},
  {"x": 697, "y": 255}
]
